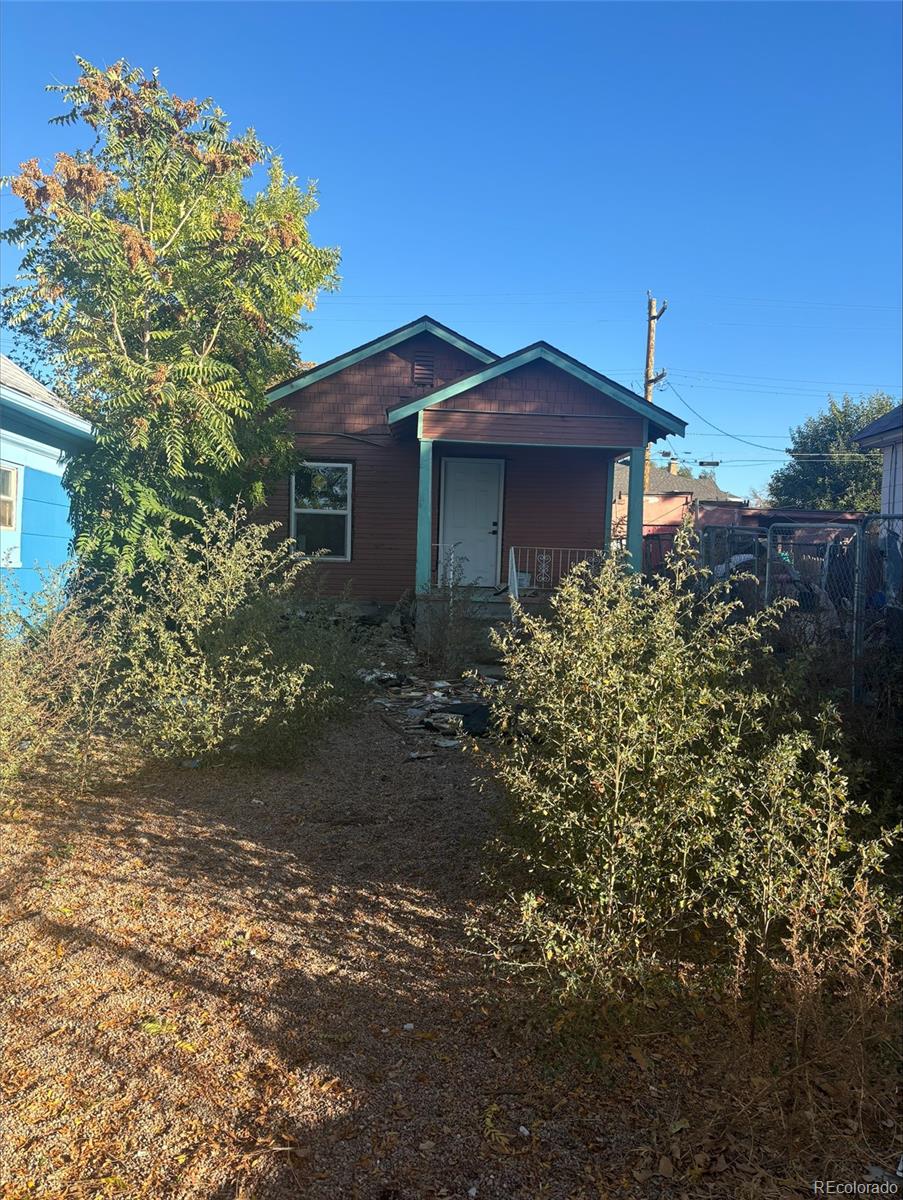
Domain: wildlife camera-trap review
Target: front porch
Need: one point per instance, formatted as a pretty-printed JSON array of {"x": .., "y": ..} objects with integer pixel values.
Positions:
[
  {"x": 512, "y": 520},
  {"x": 520, "y": 455}
]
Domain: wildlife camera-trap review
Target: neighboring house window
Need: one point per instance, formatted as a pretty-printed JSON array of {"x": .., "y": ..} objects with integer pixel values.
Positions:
[
  {"x": 9, "y": 492},
  {"x": 321, "y": 509}
]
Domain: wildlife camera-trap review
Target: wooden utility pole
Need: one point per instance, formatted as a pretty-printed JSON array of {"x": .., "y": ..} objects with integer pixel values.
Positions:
[{"x": 653, "y": 315}]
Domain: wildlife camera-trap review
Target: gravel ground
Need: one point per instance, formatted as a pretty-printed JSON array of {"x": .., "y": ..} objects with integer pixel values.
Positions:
[{"x": 225, "y": 983}]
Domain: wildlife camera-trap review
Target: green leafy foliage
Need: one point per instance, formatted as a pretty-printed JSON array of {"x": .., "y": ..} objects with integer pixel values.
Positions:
[
  {"x": 672, "y": 819},
  {"x": 841, "y": 477},
  {"x": 168, "y": 300},
  {"x": 223, "y": 653}
]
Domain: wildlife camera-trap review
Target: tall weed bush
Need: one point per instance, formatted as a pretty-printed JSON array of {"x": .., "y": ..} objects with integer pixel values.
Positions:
[
  {"x": 226, "y": 650},
  {"x": 673, "y": 819},
  {"x": 53, "y": 675},
  {"x": 449, "y": 634}
]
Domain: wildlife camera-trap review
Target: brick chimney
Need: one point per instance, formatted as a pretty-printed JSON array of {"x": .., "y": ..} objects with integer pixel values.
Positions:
[{"x": 672, "y": 466}]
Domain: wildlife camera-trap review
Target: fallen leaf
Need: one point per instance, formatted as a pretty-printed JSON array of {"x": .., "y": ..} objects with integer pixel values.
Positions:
[
  {"x": 665, "y": 1166},
  {"x": 639, "y": 1057}
]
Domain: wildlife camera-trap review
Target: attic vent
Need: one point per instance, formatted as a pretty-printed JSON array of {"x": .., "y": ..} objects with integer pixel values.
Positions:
[{"x": 422, "y": 372}]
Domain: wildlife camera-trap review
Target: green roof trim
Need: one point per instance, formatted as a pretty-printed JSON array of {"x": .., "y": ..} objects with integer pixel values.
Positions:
[
  {"x": 424, "y": 324},
  {"x": 661, "y": 421}
]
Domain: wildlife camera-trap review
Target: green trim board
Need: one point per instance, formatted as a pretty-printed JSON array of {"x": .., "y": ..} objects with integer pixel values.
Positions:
[
  {"x": 424, "y": 324},
  {"x": 635, "y": 507},
  {"x": 456, "y": 441},
  {"x": 662, "y": 422},
  {"x": 424, "y": 518}
]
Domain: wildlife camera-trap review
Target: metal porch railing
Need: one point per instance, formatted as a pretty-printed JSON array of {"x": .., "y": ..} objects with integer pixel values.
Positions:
[{"x": 539, "y": 569}]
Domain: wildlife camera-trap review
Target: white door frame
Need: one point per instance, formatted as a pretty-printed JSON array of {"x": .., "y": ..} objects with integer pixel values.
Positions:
[{"x": 500, "y": 462}]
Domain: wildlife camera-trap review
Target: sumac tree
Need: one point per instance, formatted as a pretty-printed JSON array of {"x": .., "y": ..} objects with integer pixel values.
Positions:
[{"x": 167, "y": 299}]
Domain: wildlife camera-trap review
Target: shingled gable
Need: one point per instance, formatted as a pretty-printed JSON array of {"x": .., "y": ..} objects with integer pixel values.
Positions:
[
  {"x": 661, "y": 423},
  {"x": 404, "y": 333}
]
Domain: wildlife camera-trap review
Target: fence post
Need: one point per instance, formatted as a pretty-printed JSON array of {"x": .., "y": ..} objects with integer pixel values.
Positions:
[
  {"x": 860, "y": 573},
  {"x": 769, "y": 549}
]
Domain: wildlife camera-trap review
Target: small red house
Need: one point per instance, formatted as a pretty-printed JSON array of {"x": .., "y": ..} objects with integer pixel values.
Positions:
[{"x": 422, "y": 444}]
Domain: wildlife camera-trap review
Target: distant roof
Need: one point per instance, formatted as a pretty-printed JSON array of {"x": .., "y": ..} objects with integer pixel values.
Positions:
[
  {"x": 888, "y": 428},
  {"x": 663, "y": 483},
  {"x": 29, "y": 408}
]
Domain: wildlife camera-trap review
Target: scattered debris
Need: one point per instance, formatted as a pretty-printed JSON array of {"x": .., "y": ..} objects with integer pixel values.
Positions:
[{"x": 413, "y": 705}]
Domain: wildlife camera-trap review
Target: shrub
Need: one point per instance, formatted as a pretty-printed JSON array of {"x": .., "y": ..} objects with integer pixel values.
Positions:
[
  {"x": 671, "y": 817},
  {"x": 53, "y": 668},
  {"x": 448, "y": 633},
  {"x": 219, "y": 654}
]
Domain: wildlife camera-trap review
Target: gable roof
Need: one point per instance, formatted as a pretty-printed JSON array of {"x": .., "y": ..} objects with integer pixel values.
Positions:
[
  {"x": 661, "y": 422},
  {"x": 883, "y": 430},
  {"x": 663, "y": 483},
  {"x": 29, "y": 408},
  {"x": 424, "y": 324}
]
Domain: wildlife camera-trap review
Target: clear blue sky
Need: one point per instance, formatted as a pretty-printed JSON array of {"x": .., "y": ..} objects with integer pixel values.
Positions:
[{"x": 526, "y": 171}]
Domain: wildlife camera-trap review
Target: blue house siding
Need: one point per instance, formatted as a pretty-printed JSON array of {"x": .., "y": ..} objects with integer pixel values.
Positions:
[
  {"x": 42, "y": 538},
  {"x": 37, "y": 431}
]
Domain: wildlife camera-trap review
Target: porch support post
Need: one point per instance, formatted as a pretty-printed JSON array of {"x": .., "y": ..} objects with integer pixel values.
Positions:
[
  {"x": 424, "y": 518},
  {"x": 635, "y": 509},
  {"x": 609, "y": 503}
]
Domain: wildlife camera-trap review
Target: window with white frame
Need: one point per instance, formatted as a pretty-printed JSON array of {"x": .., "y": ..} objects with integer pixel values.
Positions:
[
  {"x": 9, "y": 495},
  {"x": 321, "y": 509}
]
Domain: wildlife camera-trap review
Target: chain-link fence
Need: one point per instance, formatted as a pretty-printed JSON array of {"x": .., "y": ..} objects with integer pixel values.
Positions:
[
  {"x": 845, "y": 579},
  {"x": 727, "y": 550},
  {"x": 878, "y": 604}
]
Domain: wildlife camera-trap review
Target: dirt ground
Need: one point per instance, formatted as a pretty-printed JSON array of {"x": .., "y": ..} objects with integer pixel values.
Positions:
[{"x": 225, "y": 983}]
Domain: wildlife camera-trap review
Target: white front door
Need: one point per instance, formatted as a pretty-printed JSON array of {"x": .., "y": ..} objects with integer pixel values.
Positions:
[{"x": 470, "y": 529}]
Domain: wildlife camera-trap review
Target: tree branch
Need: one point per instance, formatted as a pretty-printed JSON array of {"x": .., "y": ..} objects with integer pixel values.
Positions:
[
  {"x": 178, "y": 229},
  {"x": 118, "y": 332}
]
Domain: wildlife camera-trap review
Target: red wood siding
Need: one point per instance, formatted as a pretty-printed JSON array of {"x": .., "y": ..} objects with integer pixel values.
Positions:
[
  {"x": 539, "y": 388},
  {"x": 532, "y": 429},
  {"x": 553, "y": 496},
  {"x": 349, "y": 408},
  {"x": 355, "y": 400}
]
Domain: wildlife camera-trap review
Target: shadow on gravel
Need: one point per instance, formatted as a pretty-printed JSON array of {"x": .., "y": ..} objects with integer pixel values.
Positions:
[{"x": 333, "y": 944}]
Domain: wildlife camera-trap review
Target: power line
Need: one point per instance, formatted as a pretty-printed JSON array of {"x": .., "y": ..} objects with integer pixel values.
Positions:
[
  {"x": 718, "y": 428},
  {"x": 745, "y": 375},
  {"x": 799, "y": 456},
  {"x": 749, "y": 389},
  {"x": 593, "y": 297}
]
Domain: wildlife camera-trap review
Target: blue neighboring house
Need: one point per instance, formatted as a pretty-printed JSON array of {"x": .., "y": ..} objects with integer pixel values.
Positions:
[{"x": 36, "y": 432}]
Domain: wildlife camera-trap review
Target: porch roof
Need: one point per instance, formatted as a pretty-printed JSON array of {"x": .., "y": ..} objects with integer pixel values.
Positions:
[{"x": 661, "y": 422}]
